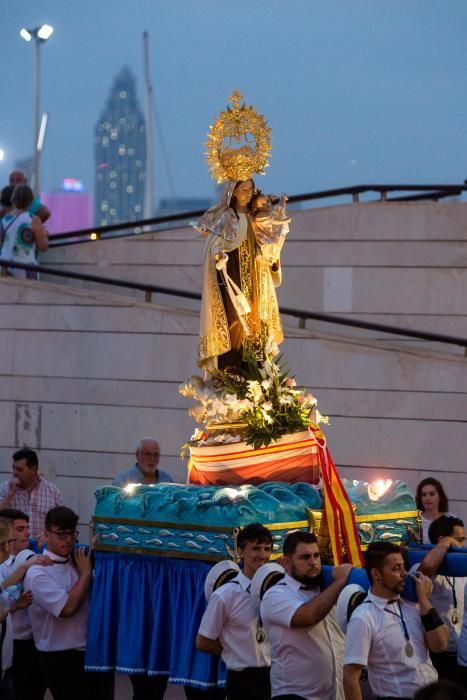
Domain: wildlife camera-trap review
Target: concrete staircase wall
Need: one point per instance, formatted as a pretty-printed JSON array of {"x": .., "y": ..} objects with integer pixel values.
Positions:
[
  {"x": 84, "y": 374},
  {"x": 403, "y": 264}
]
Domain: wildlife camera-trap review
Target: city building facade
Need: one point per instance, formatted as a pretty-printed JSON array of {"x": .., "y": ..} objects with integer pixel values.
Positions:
[{"x": 120, "y": 155}]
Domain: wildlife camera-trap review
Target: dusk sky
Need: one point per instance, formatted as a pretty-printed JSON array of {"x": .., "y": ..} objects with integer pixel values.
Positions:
[{"x": 355, "y": 91}]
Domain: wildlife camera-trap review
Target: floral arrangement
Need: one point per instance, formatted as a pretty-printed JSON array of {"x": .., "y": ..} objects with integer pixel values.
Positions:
[{"x": 257, "y": 405}]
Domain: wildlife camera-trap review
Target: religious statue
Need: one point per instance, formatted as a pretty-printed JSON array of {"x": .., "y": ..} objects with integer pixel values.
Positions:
[{"x": 245, "y": 234}]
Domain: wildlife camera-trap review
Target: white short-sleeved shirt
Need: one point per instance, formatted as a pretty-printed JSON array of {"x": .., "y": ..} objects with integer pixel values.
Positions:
[
  {"x": 462, "y": 643},
  {"x": 232, "y": 618},
  {"x": 20, "y": 622},
  {"x": 7, "y": 648},
  {"x": 50, "y": 586},
  {"x": 304, "y": 659},
  {"x": 375, "y": 638}
]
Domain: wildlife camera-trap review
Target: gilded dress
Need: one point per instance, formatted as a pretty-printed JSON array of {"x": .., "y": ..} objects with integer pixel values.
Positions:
[{"x": 239, "y": 311}]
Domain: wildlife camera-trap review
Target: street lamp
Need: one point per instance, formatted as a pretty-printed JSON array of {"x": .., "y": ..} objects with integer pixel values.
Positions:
[{"x": 39, "y": 35}]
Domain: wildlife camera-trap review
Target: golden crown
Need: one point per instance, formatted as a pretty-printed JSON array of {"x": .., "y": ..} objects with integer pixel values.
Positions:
[{"x": 238, "y": 143}]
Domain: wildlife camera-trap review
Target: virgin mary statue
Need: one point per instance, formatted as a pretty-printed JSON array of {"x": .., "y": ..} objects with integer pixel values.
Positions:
[{"x": 241, "y": 266}]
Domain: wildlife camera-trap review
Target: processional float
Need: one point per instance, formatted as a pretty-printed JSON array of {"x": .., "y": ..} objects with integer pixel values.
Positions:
[{"x": 258, "y": 455}]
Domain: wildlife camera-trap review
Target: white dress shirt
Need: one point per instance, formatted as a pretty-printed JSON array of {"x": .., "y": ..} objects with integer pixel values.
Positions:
[
  {"x": 462, "y": 643},
  {"x": 304, "y": 659},
  {"x": 232, "y": 618},
  {"x": 50, "y": 586},
  {"x": 376, "y": 639},
  {"x": 7, "y": 647},
  {"x": 20, "y": 622}
]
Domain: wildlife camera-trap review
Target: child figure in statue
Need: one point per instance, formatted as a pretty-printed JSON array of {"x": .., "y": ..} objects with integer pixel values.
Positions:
[
  {"x": 270, "y": 224},
  {"x": 239, "y": 313}
]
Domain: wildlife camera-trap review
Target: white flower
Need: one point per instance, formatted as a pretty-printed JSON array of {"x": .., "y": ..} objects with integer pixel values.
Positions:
[
  {"x": 254, "y": 391},
  {"x": 266, "y": 384},
  {"x": 267, "y": 406},
  {"x": 267, "y": 416},
  {"x": 286, "y": 400}
]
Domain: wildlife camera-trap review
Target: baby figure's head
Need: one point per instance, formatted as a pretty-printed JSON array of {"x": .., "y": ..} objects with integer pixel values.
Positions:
[{"x": 261, "y": 204}]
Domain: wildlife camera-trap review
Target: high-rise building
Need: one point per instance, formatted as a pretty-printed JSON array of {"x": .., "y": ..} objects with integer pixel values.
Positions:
[{"x": 120, "y": 155}]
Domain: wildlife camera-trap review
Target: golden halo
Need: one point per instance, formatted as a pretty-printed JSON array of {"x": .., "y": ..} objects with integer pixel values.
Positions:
[{"x": 238, "y": 143}]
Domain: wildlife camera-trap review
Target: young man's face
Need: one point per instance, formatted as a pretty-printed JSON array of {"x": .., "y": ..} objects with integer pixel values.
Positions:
[
  {"x": 21, "y": 536},
  {"x": 304, "y": 564},
  {"x": 391, "y": 578},
  {"x": 458, "y": 534},
  {"x": 60, "y": 541},
  {"x": 254, "y": 555}
]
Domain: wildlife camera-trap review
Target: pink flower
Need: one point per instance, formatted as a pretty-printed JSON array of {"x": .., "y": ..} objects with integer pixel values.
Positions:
[
  {"x": 301, "y": 399},
  {"x": 291, "y": 382}
]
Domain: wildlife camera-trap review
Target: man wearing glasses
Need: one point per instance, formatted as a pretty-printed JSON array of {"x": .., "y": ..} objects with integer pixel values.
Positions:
[
  {"x": 145, "y": 471},
  {"x": 59, "y": 611}
]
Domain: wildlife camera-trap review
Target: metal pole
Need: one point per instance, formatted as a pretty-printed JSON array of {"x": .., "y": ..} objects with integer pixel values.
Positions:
[
  {"x": 149, "y": 197},
  {"x": 37, "y": 110}
]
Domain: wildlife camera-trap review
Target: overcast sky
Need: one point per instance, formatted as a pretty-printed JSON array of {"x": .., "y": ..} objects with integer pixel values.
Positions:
[{"x": 355, "y": 91}]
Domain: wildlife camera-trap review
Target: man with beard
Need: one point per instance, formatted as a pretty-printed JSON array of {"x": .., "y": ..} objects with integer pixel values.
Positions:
[
  {"x": 295, "y": 614},
  {"x": 390, "y": 635}
]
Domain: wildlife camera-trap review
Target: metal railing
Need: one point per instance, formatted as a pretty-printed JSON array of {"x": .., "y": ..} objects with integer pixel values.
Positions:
[
  {"x": 300, "y": 314},
  {"x": 424, "y": 192}
]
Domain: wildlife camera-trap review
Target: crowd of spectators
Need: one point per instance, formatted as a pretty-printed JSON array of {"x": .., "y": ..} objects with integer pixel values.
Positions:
[{"x": 280, "y": 634}]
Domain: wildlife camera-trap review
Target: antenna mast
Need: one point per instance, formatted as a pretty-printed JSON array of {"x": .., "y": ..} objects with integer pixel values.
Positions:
[{"x": 149, "y": 190}]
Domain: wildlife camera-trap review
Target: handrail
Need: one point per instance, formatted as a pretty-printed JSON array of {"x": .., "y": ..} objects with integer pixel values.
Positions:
[
  {"x": 131, "y": 228},
  {"x": 303, "y": 316}
]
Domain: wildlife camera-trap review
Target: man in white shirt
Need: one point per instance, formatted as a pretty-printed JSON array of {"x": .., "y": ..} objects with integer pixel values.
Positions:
[
  {"x": 447, "y": 597},
  {"x": 10, "y": 599},
  {"x": 304, "y": 648},
  {"x": 230, "y": 626},
  {"x": 59, "y": 612},
  {"x": 28, "y": 683},
  {"x": 389, "y": 635}
]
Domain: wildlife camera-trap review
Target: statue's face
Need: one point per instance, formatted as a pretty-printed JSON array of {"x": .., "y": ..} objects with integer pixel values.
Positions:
[{"x": 244, "y": 192}]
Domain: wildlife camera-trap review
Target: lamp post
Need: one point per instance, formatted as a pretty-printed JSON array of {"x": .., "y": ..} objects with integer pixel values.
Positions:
[{"x": 40, "y": 35}]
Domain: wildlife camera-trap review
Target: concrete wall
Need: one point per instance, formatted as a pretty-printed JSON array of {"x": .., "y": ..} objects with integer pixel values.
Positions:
[
  {"x": 397, "y": 263},
  {"x": 84, "y": 374}
]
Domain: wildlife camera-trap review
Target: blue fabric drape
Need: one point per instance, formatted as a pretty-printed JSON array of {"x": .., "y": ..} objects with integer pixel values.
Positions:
[{"x": 144, "y": 615}]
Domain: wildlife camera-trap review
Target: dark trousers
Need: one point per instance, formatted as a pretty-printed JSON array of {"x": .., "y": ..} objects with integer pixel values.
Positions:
[
  {"x": 6, "y": 685},
  {"x": 148, "y": 687},
  {"x": 289, "y": 696},
  {"x": 67, "y": 680},
  {"x": 28, "y": 682},
  {"x": 249, "y": 684},
  {"x": 447, "y": 666}
]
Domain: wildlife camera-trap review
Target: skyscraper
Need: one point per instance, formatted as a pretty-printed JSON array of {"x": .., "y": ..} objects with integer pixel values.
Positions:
[{"x": 120, "y": 155}]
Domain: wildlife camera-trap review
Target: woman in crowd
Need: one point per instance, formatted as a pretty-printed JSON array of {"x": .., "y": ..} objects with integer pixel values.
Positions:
[
  {"x": 22, "y": 233},
  {"x": 432, "y": 502}
]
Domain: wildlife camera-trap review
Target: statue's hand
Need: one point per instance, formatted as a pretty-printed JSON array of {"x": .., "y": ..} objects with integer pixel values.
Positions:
[{"x": 221, "y": 261}]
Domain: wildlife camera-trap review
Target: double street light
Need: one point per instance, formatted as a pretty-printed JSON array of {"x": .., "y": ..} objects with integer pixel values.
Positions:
[{"x": 39, "y": 35}]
